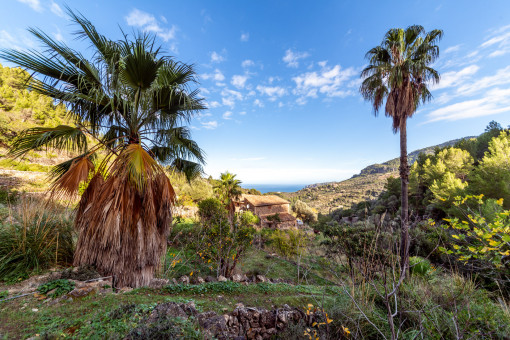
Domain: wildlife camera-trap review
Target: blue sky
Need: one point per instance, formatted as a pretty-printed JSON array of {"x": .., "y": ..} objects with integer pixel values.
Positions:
[{"x": 281, "y": 78}]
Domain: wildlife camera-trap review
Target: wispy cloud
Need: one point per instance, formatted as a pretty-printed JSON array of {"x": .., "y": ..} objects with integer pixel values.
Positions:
[
  {"x": 258, "y": 103},
  {"x": 493, "y": 102},
  {"x": 55, "y": 8},
  {"x": 273, "y": 92},
  {"x": 500, "y": 40},
  {"x": 292, "y": 58},
  {"x": 456, "y": 78},
  {"x": 245, "y": 37},
  {"x": 34, "y": 4},
  {"x": 247, "y": 63},
  {"x": 148, "y": 22},
  {"x": 210, "y": 125},
  {"x": 216, "y": 75},
  {"x": 227, "y": 115},
  {"x": 501, "y": 77},
  {"x": 216, "y": 57},
  {"x": 452, "y": 49}
]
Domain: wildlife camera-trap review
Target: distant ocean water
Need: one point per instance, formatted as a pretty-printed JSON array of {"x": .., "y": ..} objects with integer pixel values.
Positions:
[{"x": 264, "y": 188}]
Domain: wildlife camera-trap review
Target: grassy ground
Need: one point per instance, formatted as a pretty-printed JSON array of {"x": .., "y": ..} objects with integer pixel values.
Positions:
[{"x": 90, "y": 316}]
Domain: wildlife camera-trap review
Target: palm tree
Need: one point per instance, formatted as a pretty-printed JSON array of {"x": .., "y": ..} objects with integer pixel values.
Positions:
[
  {"x": 129, "y": 105},
  {"x": 399, "y": 72},
  {"x": 228, "y": 190}
]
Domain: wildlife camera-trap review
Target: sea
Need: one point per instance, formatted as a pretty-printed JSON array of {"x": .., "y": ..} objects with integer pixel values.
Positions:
[{"x": 265, "y": 188}]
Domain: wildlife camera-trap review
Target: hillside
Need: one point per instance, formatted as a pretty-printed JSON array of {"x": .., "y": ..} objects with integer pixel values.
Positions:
[{"x": 366, "y": 185}]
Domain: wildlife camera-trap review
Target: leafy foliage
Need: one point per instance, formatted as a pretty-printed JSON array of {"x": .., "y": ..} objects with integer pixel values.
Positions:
[
  {"x": 226, "y": 239},
  {"x": 57, "y": 287}
]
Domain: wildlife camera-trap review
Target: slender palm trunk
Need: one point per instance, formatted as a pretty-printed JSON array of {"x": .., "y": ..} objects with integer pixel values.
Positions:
[{"x": 404, "y": 180}]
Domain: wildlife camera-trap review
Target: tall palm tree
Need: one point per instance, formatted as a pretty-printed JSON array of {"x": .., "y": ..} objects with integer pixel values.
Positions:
[
  {"x": 228, "y": 190},
  {"x": 130, "y": 105},
  {"x": 399, "y": 72}
]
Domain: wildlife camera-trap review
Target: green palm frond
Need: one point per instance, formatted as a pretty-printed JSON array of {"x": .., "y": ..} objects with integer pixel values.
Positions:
[
  {"x": 62, "y": 137},
  {"x": 190, "y": 169}
]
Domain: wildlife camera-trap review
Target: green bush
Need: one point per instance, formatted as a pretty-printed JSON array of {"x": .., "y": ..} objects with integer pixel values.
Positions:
[
  {"x": 420, "y": 266},
  {"x": 40, "y": 240},
  {"x": 8, "y": 197},
  {"x": 56, "y": 287},
  {"x": 289, "y": 243}
]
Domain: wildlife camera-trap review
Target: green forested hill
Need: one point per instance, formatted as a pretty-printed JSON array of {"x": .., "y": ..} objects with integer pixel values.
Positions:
[
  {"x": 21, "y": 109},
  {"x": 366, "y": 185}
]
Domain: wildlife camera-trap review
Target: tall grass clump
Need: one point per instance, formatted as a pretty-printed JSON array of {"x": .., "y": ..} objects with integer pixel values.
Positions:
[{"x": 35, "y": 237}]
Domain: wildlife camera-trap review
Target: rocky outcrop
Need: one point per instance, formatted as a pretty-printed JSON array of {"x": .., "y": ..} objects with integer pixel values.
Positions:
[{"x": 242, "y": 323}]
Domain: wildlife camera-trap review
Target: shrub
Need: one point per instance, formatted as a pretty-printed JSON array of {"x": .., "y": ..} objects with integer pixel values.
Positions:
[
  {"x": 420, "y": 266},
  {"x": 225, "y": 238},
  {"x": 289, "y": 243},
  {"x": 56, "y": 287},
  {"x": 8, "y": 197},
  {"x": 40, "y": 240}
]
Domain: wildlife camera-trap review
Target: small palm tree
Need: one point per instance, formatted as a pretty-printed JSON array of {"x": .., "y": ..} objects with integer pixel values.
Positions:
[
  {"x": 129, "y": 104},
  {"x": 399, "y": 72},
  {"x": 228, "y": 190}
]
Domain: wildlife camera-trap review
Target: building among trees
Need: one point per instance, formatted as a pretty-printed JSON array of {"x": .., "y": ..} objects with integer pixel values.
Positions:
[{"x": 273, "y": 211}]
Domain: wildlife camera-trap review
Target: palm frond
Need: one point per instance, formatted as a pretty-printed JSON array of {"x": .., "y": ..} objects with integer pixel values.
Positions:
[
  {"x": 68, "y": 183},
  {"x": 62, "y": 137}
]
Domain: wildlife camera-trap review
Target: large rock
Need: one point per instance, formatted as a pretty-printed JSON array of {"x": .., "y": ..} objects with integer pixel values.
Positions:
[
  {"x": 222, "y": 278},
  {"x": 261, "y": 278},
  {"x": 240, "y": 278},
  {"x": 184, "y": 280}
]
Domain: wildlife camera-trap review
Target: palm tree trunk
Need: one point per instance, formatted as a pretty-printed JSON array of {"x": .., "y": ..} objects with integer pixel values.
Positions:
[{"x": 404, "y": 180}]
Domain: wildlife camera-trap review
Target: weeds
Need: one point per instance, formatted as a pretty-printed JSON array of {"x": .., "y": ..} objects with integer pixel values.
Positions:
[{"x": 37, "y": 238}]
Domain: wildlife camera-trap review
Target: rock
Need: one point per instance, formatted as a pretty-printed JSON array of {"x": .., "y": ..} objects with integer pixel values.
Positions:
[
  {"x": 124, "y": 290},
  {"x": 261, "y": 278},
  {"x": 210, "y": 279},
  {"x": 200, "y": 280},
  {"x": 240, "y": 278},
  {"x": 184, "y": 280},
  {"x": 158, "y": 283},
  {"x": 222, "y": 278},
  {"x": 213, "y": 325},
  {"x": 79, "y": 293},
  {"x": 167, "y": 310}
]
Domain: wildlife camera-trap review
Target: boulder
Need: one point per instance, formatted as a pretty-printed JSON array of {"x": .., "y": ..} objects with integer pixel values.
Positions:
[
  {"x": 261, "y": 278},
  {"x": 222, "y": 278},
  {"x": 210, "y": 279},
  {"x": 158, "y": 283},
  {"x": 184, "y": 280},
  {"x": 200, "y": 280}
]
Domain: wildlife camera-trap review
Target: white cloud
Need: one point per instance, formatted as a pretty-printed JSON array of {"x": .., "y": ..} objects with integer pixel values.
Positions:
[
  {"x": 210, "y": 125},
  {"x": 245, "y": 37},
  {"x": 252, "y": 159},
  {"x": 258, "y": 102},
  {"x": 273, "y": 92},
  {"x": 499, "y": 39},
  {"x": 55, "y": 8},
  {"x": 292, "y": 58},
  {"x": 216, "y": 75},
  {"x": 58, "y": 35},
  {"x": 34, "y": 4},
  {"x": 239, "y": 81},
  {"x": 494, "y": 101},
  {"x": 247, "y": 63},
  {"x": 214, "y": 104},
  {"x": 227, "y": 115},
  {"x": 232, "y": 93},
  {"x": 17, "y": 42},
  {"x": 242, "y": 113},
  {"x": 328, "y": 81},
  {"x": 148, "y": 22},
  {"x": 230, "y": 102},
  {"x": 216, "y": 57},
  {"x": 455, "y": 78},
  {"x": 452, "y": 49},
  {"x": 501, "y": 77}
]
